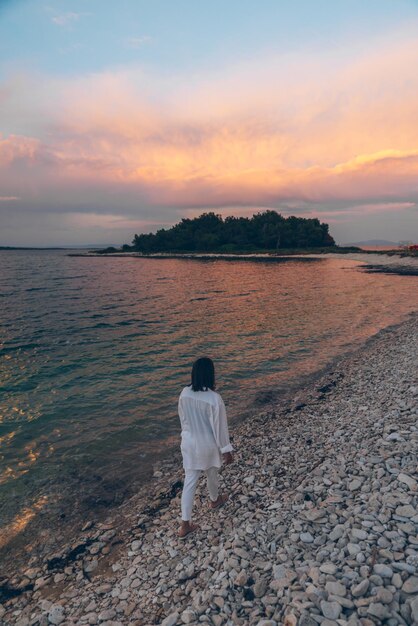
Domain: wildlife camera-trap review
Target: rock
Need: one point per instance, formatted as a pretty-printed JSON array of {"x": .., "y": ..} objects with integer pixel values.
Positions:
[
  {"x": 358, "y": 533},
  {"x": 90, "y": 566},
  {"x": 360, "y": 589},
  {"x": 56, "y": 614},
  {"x": 307, "y": 620},
  {"x": 279, "y": 571},
  {"x": 394, "y": 437},
  {"x": 407, "y": 480},
  {"x": 385, "y": 596},
  {"x": 267, "y": 622},
  {"x": 410, "y": 585},
  {"x": 328, "y": 568},
  {"x": 260, "y": 588},
  {"x": 107, "y": 614},
  {"x": 414, "y": 609},
  {"x": 241, "y": 579},
  {"x": 32, "y": 572},
  {"x": 378, "y": 610},
  {"x": 336, "y": 588},
  {"x": 354, "y": 484},
  {"x": 406, "y": 511},
  {"x": 171, "y": 619},
  {"x": 306, "y": 537},
  {"x": 187, "y": 617},
  {"x": 383, "y": 570},
  {"x": 331, "y": 610},
  {"x": 336, "y": 532}
]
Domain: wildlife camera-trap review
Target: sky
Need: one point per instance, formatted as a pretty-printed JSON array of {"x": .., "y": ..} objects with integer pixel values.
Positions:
[{"x": 121, "y": 118}]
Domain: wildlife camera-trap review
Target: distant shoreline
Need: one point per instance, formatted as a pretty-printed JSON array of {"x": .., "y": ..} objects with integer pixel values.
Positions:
[{"x": 285, "y": 253}]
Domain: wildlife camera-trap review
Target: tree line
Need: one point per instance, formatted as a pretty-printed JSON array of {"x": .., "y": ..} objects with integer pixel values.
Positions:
[{"x": 210, "y": 232}]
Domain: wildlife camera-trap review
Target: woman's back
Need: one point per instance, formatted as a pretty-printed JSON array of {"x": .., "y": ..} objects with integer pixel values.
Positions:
[{"x": 196, "y": 409}]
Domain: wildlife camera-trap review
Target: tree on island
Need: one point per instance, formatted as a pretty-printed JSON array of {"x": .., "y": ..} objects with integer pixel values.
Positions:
[{"x": 210, "y": 232}]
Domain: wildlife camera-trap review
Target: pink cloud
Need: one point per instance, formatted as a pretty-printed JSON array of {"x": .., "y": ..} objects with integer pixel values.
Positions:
[{"x": 281, "y": 129}]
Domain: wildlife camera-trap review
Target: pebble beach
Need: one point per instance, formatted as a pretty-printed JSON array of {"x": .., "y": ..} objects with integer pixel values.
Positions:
[{"x": 321, "y": 526}]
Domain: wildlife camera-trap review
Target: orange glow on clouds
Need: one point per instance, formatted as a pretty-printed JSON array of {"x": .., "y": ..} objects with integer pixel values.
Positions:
[{"x": 275, "y": 130}]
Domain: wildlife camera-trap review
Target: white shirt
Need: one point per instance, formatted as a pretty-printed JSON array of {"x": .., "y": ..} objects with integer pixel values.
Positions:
[{"x": 204, "y": 429}]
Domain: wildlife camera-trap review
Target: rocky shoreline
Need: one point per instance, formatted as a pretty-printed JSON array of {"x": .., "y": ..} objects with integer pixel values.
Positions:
[{"x": 321, "y": 526}]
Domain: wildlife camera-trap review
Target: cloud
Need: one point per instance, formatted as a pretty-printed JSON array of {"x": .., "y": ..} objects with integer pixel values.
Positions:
[
  {"x": 65, "y": 19},
  {"x": 336, "y": 134},
  {"x": 8, "y": 198}
]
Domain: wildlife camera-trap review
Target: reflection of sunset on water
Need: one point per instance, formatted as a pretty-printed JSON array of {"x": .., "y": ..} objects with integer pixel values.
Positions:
[{"x": 20, "y": 521}]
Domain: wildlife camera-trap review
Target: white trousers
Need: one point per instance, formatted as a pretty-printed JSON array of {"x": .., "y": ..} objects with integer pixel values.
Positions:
[{"x": 189, "y": 488}]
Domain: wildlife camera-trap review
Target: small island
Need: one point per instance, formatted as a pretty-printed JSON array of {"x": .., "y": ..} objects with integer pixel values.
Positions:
[{"x": 264, "y": 232}]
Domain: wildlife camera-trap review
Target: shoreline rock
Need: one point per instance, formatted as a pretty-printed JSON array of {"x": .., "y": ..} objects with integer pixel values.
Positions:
[{"x": 321, "y": 526}]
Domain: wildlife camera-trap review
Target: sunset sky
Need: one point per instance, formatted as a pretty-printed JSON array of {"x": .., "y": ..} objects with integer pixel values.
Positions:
[{"x": 123, "y": 117}]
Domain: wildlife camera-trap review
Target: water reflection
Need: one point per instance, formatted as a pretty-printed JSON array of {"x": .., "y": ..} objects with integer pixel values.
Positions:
[
  {"x": 93, "y": 352},
  {"x": 20, "y": 521}
]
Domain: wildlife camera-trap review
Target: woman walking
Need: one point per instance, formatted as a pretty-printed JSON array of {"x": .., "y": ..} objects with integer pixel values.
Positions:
[{"x": 204, "y": 439}]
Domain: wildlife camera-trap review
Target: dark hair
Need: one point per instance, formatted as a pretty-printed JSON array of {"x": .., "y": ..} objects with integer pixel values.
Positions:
[{"x": 203, "y": 375}]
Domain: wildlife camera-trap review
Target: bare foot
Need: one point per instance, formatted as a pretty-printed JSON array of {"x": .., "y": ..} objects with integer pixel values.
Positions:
[
  {"x": 219, "y": 502},
  {"x": 186, "y": 528}
]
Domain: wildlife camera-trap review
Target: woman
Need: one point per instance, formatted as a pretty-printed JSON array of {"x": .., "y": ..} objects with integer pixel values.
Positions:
[{"x": 204, "y": 438}]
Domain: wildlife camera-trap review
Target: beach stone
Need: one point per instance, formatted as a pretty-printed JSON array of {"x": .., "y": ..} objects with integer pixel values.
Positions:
[
  {"x": 336, "y": 588},
  {"x": 171, "y": 620},
  {"x": 260, "y": 587},
  {"x": 410, "y": 585},
  {"x": 414, "y": 609},
  {"x": 408, "y": 480},
  {"x": 331, "y": 610},
  {"x": 32, "y": 572},
  {"x": 383, "y": 595},
  {"x": 383, "y": 570},
  {"x": 358, "y": 533},
  {"x": 56, "y": 614},
  {"x": 241, "y": 579},
  {"x": 360, "y": 589},
  {"x": 307, "y": 620},
  {"x": 90, "y": 566},
  {"x": 187, "y": 617},
  {"x": 107, "y": 615},
  {"x": 406, "y": 511},
  {"x": 336, "y": 533},
  {"x": 328, "y": 568},
  {"x": 378, "y": 610}
]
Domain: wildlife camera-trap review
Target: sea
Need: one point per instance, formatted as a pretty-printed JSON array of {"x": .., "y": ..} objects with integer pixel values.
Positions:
[{"x": 94, "y": 352}]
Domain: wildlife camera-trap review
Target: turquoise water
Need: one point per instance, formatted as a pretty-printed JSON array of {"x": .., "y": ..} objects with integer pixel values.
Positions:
[{"x": 94, "y": 351}]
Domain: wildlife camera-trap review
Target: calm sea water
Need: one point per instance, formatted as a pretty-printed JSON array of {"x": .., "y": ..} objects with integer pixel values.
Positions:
[{"x": 94, "y": 351}]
